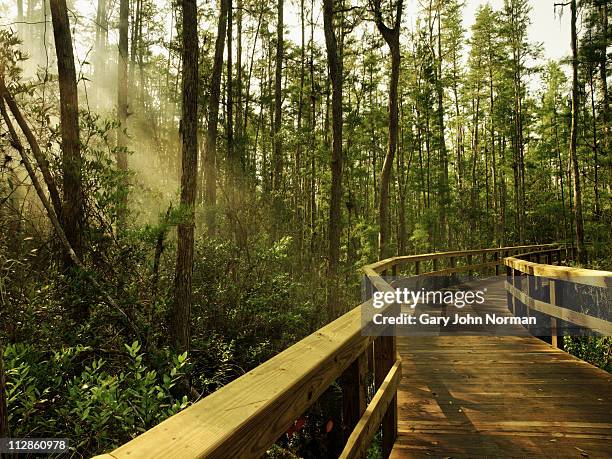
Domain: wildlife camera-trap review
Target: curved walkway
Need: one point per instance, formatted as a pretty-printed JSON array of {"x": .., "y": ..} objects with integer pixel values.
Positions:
[{"x": 499, "y": 396}]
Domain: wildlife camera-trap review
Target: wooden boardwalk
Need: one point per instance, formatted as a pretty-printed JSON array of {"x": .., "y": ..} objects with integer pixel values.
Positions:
[{"x": 512, "y": 396}]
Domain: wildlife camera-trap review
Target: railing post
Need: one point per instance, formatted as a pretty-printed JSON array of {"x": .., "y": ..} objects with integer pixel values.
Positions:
[
  {"x": 385, "y": 355},
  {"x": 394, "y": 270},
  {"x": 510, "y": 280},
  {"x": 417, "y": 267},
  {"x": 435, "y": 264},
  {"x": 354, "y": 387},
  {"x": 529, "y": 291},
  {"x": 369, "y": 288},
  {"x": 556, "y": 291},
  {"x": 469, "y": 262},
  {"x": 552, "y": 299},
  {"x": 496, "y": 259}
]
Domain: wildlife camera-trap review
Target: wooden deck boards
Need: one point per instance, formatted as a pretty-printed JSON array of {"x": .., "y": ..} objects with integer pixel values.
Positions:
[{"x": 515, "y": 396}]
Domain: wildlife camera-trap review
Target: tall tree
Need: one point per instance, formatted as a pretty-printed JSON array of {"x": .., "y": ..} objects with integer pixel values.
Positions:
[
  {"x": 72, "y": 205},
  {"x": 334, "y": 62},
  {"x": 603, "y": 72},
  {"x": 391, "y": 37},
  {"x": 517, "y": 20},
  {"x": 181, "y": 309},
  {"x": 100, "y": 51},
  {"x": 210, "y": 153},
  {"x": 578, "y": 218},
  {"x": 229, "y": 101},
  {"x": 278, "y": 100},
  {"x": 122, "y": 102}
]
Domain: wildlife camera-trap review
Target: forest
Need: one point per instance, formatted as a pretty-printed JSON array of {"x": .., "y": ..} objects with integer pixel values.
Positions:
[{"x": 187, "y": 188}]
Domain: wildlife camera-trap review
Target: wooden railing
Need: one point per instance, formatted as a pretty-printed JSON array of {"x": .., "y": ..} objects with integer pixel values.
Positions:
[
  {"x": 245, "y": 417},
  {"x": 537, "y": 287}
]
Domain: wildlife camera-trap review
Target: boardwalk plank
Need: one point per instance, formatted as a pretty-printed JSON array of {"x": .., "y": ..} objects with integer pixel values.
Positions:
[{"x": 513, "y": 396}]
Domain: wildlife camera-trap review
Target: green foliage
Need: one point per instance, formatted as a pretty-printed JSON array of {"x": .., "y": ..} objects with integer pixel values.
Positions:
[
  {"x": 246, "y": 308},
  {"x": 597, "y": 351},
  {"x": 75, "y": 394}
]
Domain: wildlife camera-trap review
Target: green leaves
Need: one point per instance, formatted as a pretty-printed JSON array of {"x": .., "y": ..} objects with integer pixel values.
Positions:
[{"x": 69, "y": 393}]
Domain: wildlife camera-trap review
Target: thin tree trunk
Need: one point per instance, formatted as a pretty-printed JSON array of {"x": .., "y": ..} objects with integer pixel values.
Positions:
[
  {"x": 239, "y": 132},
  {"x": 299, "y": 185},
  {"x": 605, "y": 103},
  {"x": 391, "y": 37},
  {"x": 248, "y": 85},
  {"x": 443, "y": 182},
  {"x": 41, "y": 160},
  {"x": 582, "y": 255},
  {"x": 230, "y": 89},
  {"x": 72, "y": 207},
  {"x": 594, "y": 146},
  {"x": 181, "y": 309},
  {"x": 278, "y": 141},
  {"x": 100, "y": 51},
  {"x": 313, "y": 123},
  {"x": 334, "y": 63},
  {"x": 210, "y": 154},
  {"x": 561, "y": 173},
  {"x": 122, "y": 104}
]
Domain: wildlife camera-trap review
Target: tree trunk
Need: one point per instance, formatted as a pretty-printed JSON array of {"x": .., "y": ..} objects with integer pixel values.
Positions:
[
  {"x": 239, "y": 130},
  {"x": 181, "y": 310},
  {"x": 443, "y": 181},
  {"x": 100, "y": 52},
  {"x": 278, "y": 141},
  {"x": 230, "y": 90},
  {"x": 582, "y": 255},
  {"x": 122, "y": 105},
  {"x": 335, "y": 210},
  {"x": 605, "y": 103},
  {"x": 313, "y": 139},
  {"x": 210, "y": 154},
  {"x": 299, "y": 180},
  {"x": 72, "y": 205},
  {"x": 40, "y": 158},
  {"x": 595, "y": 141},
  {"x": 391, "y": 37}
]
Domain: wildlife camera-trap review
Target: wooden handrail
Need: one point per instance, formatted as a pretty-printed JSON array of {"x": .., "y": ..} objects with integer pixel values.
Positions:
[
  {"x": 596, "y": 324},
  {"x": 577, "y": 275},
  {"x": 247, "y": 416},
  {"x": 536, "y": 273}
]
